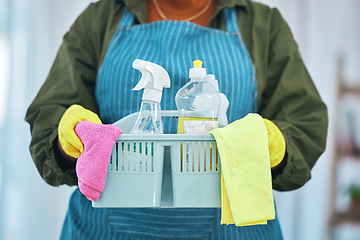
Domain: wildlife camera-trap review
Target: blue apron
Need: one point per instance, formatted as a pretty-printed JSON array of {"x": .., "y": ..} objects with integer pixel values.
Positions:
[{"x": 173, "y": 45}]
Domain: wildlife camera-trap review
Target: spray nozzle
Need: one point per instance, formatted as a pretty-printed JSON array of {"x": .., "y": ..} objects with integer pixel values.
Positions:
[{"x": 154, "y": 78}]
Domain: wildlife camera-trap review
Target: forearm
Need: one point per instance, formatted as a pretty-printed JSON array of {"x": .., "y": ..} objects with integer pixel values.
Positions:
[
  {"x": 43, "y": 125},
  {"x": 306, "y": 141},
  {"x": 65, "y": 161},
  {"x": 289, "y": 98}
]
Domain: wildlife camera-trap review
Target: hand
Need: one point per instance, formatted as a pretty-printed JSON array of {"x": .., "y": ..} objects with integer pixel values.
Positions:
[
  {"x": 277, "y": 145},
  {"x": 68, "y": 139}
]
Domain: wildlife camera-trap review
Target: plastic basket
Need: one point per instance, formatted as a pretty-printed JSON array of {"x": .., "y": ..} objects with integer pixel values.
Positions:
[{"x": 167, "y": 170}]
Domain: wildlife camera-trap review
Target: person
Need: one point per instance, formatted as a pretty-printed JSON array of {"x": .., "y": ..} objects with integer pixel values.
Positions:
[{"x": 247, "y": 45}]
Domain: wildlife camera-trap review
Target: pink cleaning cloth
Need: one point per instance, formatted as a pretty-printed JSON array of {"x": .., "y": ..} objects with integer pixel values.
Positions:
[{"x": 92, "y": 164}]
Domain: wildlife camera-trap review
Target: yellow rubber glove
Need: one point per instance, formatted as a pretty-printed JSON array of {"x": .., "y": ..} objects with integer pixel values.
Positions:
[
  {"x": 70, "y": 142},
  {"x": 277, "y": 145}
]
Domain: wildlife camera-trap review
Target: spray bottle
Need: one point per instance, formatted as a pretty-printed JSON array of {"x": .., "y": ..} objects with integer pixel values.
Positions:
[
  {"x": 197, "y": 103},
  {"x": 154, "y": 78}
]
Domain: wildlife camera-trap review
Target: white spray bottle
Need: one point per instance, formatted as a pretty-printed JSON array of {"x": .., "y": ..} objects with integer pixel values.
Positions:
[{"x": 154, "y": 78}]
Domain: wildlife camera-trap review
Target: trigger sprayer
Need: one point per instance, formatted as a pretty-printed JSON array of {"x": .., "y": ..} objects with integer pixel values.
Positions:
[{"x": 154, "y": 78}]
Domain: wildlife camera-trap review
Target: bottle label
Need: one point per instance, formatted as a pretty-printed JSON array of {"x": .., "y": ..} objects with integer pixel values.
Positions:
[{"x": 199, "y": 127}]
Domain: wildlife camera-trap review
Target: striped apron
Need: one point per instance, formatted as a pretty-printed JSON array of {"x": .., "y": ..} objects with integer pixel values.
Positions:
[{"x": 173, "y": 45}]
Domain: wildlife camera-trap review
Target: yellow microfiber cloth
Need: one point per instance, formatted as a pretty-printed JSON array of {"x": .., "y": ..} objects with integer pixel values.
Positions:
[{"x": 246, "y": 189}]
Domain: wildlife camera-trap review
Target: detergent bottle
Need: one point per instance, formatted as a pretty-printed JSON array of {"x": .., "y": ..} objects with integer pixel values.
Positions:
[
  {"x": 224, "y": 102},
  {"x": 197, "y": 103},
  {"x": 154, "y": 78}
]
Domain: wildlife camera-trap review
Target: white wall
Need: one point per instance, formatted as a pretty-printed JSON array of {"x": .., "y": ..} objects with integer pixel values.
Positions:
[
  {"x": 324, "y": 30},
  {"x": 30, "y": 209}
]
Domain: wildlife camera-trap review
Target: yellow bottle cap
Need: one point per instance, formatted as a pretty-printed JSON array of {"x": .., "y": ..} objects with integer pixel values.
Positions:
[{"x": 197, "y": 63}]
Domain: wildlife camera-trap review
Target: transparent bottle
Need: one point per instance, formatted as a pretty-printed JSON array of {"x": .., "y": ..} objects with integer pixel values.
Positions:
[
  {"x": 154, "y": 79},
  {"x": 197, "y": 103},
  {"x": 224, "y": 102},
  {"x": 149, "y": 120}
]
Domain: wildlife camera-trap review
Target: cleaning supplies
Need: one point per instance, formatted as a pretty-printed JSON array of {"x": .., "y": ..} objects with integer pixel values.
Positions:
[
  {"x": 224, "y": 102},
  {"x": 246, "y": 187},
  {"x": 92, "y": 164},
  {"x": 154, "y": 78},
  {"x": 277, "y": 144},
  {"x": 70, "y": 142},
  {"x": 198, "y": 103}
]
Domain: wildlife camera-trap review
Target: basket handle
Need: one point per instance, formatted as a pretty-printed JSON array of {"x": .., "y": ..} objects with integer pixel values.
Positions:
[
  {"x": 126, "y": 124},
  {"x": 170, "y": 113}
]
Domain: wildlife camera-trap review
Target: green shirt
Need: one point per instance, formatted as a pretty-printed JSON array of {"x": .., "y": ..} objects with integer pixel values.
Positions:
[{"x": 286, "y": 93}]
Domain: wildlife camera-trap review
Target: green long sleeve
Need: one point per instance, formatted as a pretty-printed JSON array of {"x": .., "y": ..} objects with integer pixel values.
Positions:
[{"x": 286, "y": 93}]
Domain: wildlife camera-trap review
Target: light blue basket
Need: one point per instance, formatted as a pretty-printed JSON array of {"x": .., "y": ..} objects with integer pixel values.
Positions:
[{"x": 167, "y": 170}]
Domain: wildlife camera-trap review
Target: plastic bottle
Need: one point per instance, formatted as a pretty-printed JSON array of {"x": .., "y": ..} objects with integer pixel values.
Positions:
[
  {"x": 198, "y": 103},
  {"x": 224, "y": 102},
  {"x": 154, "y": 78}
]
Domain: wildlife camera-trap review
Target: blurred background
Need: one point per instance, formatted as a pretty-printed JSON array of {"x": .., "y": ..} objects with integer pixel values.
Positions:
[{"x": 328, "y": 35}]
